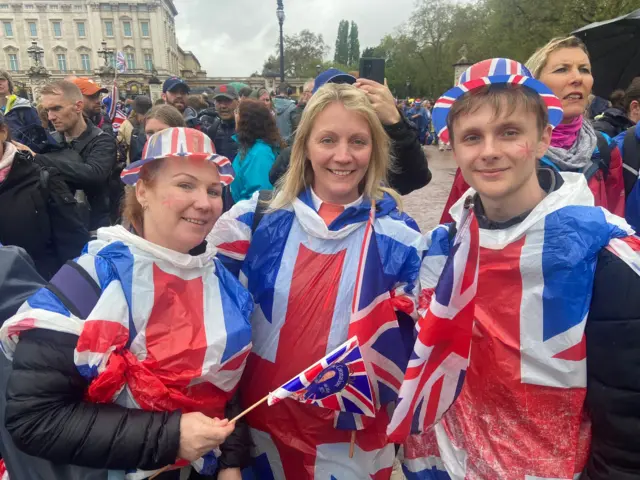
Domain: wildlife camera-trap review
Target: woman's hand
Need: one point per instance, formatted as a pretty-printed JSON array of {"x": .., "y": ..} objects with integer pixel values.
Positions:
[
  {"x": 381, "y": 99},
  {"x": 200, "y": 434},
  {"x": 22, "y": 147},
  {"x": 230, "y": 474}
]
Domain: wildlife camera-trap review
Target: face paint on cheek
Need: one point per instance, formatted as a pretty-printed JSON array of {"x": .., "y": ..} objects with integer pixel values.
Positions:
[
  {"x": 525, "y": 149},
  {"x": 169, "y": 202}
]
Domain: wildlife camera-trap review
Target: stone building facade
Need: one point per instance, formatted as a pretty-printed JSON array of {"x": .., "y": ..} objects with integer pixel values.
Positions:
[{"x": 71, "y": 34}]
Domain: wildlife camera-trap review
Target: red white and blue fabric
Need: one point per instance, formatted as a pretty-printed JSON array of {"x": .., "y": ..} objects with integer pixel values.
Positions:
[
  {"x": 112, "y": 101},
  {"x": 520, "y": 413},
  {"x": 303, "y": 276},
  {"x": 179, "y": 143},
  {"x": 492, "y": 72},
  {"x": 121, "y": 63},
  {"x": 339, "y": 382},
  {"x": 118, "y": 119},
  {"x": 435, "y": 373},
  {"x": 123, "y": 348}
]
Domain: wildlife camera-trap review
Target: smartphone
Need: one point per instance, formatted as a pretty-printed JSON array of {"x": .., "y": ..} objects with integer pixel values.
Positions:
[{"x": 373, "y": 69}]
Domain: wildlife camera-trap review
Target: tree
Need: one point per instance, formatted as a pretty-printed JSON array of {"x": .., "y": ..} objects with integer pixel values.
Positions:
[
  {"x": 342, "y": 43},
  {"x": 302, "y": 52},
  {"x": 354, "y": 45}
]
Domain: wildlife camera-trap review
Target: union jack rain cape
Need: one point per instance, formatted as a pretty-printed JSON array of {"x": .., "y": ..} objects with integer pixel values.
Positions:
[
  {"x": 315, "y": 287},
  {"x": 520, "y": 412},
  {"x": 123, "y": 348}
]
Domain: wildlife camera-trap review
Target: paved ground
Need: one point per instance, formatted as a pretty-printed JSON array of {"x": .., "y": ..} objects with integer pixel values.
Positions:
[{"x": 426, "y": 204}]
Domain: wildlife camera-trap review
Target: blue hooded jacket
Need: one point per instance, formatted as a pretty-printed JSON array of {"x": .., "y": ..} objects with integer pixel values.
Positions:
[{"x": 252, "y": 170}]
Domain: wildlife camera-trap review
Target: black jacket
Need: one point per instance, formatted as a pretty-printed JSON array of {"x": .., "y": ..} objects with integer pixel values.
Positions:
[
  {"x": 225, "y": 145},
  {"x": 47, "y": 417},
  {"x": 410, "y": 169},
  {"x": 89, "y": 170},
  {"x": 613, "y": 366},
  {"x": 39, "y": 214},
  {"x": 612, "y": 122}
]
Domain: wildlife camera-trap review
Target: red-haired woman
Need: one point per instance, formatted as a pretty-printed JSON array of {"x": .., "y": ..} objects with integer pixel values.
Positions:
[{"x": 260, "y": 142}]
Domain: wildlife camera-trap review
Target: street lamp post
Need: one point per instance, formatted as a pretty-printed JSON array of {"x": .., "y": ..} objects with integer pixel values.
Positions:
[
  {"x": 318, "y": 68},
  {"x": 35, "y": 52},
  {"x": 408, "y": 87},
  {"x": 281, "y": 17},
  {"x": 105, "y": 53}
]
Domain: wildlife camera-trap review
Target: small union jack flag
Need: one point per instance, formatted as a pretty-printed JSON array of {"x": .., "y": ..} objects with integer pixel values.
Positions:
[
  {"x": 437, "y": 367},
  {"x": 338, "y": 382}
]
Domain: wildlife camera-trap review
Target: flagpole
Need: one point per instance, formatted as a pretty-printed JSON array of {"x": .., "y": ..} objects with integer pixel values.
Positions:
[
  {"x": 352, "y": 446},
  {"x": 255, "y": 405}
]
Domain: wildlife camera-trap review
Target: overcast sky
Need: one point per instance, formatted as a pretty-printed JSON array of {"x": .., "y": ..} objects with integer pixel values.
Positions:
[{"x": 235, "y": 37}]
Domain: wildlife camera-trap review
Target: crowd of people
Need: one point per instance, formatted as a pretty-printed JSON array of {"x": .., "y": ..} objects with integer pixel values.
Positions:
[{"x": 160, "y": 278}]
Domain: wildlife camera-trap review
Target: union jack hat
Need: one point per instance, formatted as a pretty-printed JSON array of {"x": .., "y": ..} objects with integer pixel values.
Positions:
[
  {"x": 491, "y": 72},
  {"x": 176, "y": 143}
]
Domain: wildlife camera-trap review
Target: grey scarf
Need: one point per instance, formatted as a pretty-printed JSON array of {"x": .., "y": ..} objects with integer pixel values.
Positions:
[{"x": 578, "y": 157}]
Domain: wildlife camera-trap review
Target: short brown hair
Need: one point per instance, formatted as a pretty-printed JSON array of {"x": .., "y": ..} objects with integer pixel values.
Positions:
[
  {"x": 167, "y": 114},
  {"x": 68, "y": 90},
  {"x": 196, "y": 102},
  {"x": 504, "y": 99},
  {"x": 632, "y": 93}
]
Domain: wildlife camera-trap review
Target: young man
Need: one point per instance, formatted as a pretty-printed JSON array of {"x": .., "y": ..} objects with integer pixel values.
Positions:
[
  {"x": 552, "y": 387},
  {"x": 85, "y": 154}
]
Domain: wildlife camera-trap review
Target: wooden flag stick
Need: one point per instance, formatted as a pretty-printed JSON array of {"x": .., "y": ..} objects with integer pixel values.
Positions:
[
  {"x": 238, "y": 417},
  {"x": 159, "y": 472},
  {"x": 352, "y": 446},
  {"x": 255, "y": 405}
]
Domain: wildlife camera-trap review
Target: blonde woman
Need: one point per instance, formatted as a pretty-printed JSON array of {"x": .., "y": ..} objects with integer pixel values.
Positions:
[
  {"x": 332, "y": 258},
  {"x": 563, "y": 65}
]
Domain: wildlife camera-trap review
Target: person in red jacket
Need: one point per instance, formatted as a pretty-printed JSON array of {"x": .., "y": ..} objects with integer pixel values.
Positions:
[{"x": 563, "y": 65}]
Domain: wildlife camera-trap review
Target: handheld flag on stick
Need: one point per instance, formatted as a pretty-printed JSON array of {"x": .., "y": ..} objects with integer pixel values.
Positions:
[
  {"x": 121, "y": 63},
  {"x": 338, "y": 382},
  {"x": 437, "y": 367}
]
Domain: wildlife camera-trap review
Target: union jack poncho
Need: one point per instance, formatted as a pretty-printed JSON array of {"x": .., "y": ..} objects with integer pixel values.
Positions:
[
  {"x": 315, "y": 287},
  {"x": 123, "y": 347},
  {"x": 520, "y": 413}
]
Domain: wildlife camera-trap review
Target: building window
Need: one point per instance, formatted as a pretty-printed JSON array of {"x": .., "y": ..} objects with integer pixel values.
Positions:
[
  {"x": 13, "y": 62},
  {"x": 108, "y": 27},
  {"x": 105, "y": 7},
  {"x": 62, "y": 62},
  {"x": 57, "y": 29},
  {"x": 126, "y": 26},
  {"x": 81, "y": 30},
  {"x": 86, "y": 62},
  {"x": 131, "y": 61},
  {"x": 148, "y": 62},
  {"x": 4, "y": 6},
  {"x": 143, "y": 8},
  {"x": 144, "y": 26},
  {"x": 33, "y": 29},
  {"x": 8, "y": 29}
]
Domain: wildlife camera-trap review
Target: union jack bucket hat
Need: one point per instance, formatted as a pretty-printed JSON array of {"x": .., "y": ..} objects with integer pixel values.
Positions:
[
  {"x": 179, "y": 143},
  {"x": 492, "y": 72}
]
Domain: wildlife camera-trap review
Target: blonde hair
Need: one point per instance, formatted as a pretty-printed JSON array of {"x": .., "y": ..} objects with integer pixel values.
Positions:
[
  {"x": 538, "y": 60},
  {"x": 299, "y": 175}
]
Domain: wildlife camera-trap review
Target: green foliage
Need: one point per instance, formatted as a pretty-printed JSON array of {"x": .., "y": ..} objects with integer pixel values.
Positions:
[
  {"x": 342, "y": 43},
  {"x": 424, "y": 50},
  {"x": 354, "y": 46},
  {"x": 302, "y": 52}
]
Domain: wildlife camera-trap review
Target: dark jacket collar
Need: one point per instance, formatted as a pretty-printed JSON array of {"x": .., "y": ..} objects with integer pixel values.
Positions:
[{"x": 550, "y": 180}]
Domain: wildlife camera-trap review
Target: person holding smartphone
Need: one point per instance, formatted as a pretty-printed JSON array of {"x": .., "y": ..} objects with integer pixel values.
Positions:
[{"x": 411, "y": 170}]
